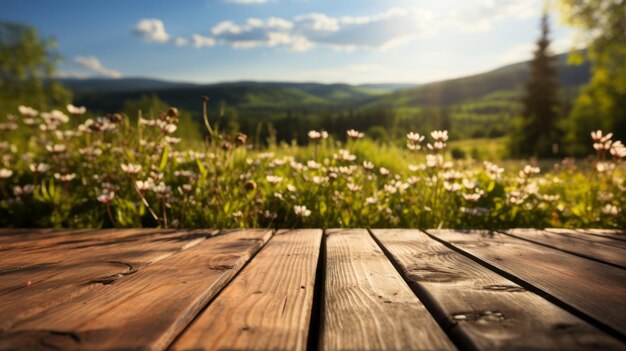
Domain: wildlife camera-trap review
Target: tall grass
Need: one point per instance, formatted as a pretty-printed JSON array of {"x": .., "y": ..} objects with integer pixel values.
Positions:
[{"x": 79, "y": 170}]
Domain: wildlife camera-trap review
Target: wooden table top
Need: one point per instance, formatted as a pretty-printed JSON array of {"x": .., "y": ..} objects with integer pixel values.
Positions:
[{"x": 336, "y": 289}]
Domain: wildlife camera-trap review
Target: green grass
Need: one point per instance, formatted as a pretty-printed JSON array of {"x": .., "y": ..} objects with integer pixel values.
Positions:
[
  {"x": 223, "y": 183},
  {"x": 494, "y": 149}
]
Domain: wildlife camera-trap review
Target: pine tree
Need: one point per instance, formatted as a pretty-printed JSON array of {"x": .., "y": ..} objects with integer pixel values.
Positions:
[{"x": 539, "y": 130}]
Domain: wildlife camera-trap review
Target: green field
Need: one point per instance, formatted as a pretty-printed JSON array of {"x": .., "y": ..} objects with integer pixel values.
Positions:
[{"x": 86, "y": 171}]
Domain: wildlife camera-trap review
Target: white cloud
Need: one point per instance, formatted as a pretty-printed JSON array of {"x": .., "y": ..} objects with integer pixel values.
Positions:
[
  {"x": 200, "y": 41},
  {"x": 481, "y": 15},
  {"x": 151, "y": 29},
  {"x": 380, "y": 31},
  {"x": 94, "y": 65},
  {"x": 318, "y": 22},
  {"x": 180, "y": 41}
]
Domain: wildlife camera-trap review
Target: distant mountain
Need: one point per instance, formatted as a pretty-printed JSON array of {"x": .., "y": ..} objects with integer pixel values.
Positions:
[
  {"x": 252, "y": 98},
  {"x": 248, "y": 97},
  {"x": 508, "y": 78},
  {"x": 388, "y": 87},
  {"x": 105, "y": 85}
]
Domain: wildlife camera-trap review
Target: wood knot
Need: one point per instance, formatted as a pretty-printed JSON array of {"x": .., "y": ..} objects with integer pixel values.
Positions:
[
  {"x": 504, "y": 288},
  {"x": 431, "y": 274}
]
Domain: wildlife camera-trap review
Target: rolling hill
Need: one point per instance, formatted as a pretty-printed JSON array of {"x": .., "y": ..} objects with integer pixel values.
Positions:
[
  {"x": 510, "y": 78},
  {"x": 250, "y": 97}
]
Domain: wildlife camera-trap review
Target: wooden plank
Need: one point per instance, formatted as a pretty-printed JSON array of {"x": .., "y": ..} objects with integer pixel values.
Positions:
[
  {"x": 147, "y": 309},
  {"x": 268, "y": 306},
  {"x": 607, "y": 233},
  {"x": 34, "y": 251},
  {"x": 367, "y": 304},
  {"x": 593, "y": 288},
  {"x": 482, "y": 309},
  {"x": 63, "y": 240},
  {"x": 595, "y": 251},
  {"x": 589, "y": 237},
  {"x": 56, "y": 279},
  {"x": 8, "y": 233},
  {"x": 27, "y": 238}
]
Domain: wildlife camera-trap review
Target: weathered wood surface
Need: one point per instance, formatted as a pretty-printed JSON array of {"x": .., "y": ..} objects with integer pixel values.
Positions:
[
  {"x": 147, "y": 309},
  {"x": 482, "y": 309},
  {"x": 588, "y": 237},
  {"x": 600, "y": 252},
  {"x": 268, "y": 306},
  {"x": 40, "y": 281},
  {"x": 135, "y": 289},
  {"x": 367, "y": 305},
  {"x": 608, "y": 233},
  {"x": 591, "y": 287}
]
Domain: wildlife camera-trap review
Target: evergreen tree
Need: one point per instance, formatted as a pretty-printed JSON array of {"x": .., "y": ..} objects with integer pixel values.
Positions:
[{"x": 538, "y": 130}]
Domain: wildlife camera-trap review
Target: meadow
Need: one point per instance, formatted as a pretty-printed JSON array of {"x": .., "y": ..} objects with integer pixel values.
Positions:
[{"x": 75, "y": 169}]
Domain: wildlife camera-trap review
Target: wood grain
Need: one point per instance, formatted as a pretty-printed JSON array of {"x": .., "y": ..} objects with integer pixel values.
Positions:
[
  {"x": 62, "y": 240},
  {"x": 148, "y": 309},
  {"x": 608, "y": 233},
  {"x": 268, "y": 306},
  {"x": 597, "y": 251},
  {"x": 593, "y": 288},
  {"x": 59, "y": 277},
  {"x": 481, "y": 308},
  {"x": 367, "y": 304},
  {"x": 589, "y": 237}
]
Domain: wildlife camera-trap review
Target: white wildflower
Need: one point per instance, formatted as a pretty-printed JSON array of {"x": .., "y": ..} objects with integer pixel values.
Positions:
[
  {"x": 28, "y": 111},
  {"x": 452, "y": 187},
  {"x": 611, "y": 210},
  {"x": 65, "y": 177},
  {"x": 23, "y": 190},
  {"x": 131, "y": 168},
  {"x": 314, "y": 135},
  {"x": 440, "y": 135},
  {"x": 353, "y": 187},
  {"x": 274, "y": 179},
  {"x": 313, "y": 165},
  {"x": 106, "y": 197},
  {"x": 75, "y": 110},
  {"x": 5, "y": 173},
  {"x": 301, "y": 211},
  {"x": 354, "y": 134},
  {"x": 390, "y": 189},
  {"x": 471, "y": 197},
  {"x": 56, "y": 148},
  {"x": 414, "y": 137}
]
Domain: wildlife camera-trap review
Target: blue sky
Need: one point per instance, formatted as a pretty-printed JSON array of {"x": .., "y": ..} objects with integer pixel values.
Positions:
[{"x": 354, "y": 41}]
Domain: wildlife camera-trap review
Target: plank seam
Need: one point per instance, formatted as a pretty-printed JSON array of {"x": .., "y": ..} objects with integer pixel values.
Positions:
[
  {"x": 317, "y": 308},
  {"x": 208, "y": 303},
  {"x": 582, "y": 231},
  {"x": 536, "y": 290},
  {"x": 567, "y": 235},
  {"x": 458, "y": 338},
  {"x": 563, "y": 250}
]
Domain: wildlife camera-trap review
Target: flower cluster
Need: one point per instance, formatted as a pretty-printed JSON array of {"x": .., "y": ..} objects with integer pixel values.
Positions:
[{"x": 84, "y": 170}]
